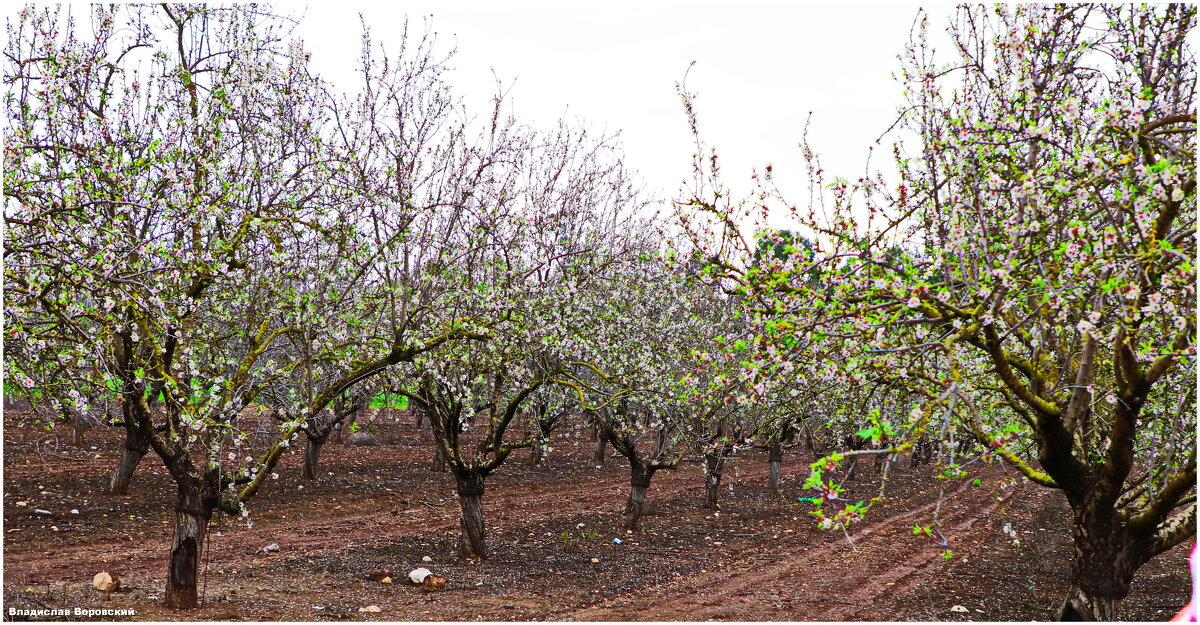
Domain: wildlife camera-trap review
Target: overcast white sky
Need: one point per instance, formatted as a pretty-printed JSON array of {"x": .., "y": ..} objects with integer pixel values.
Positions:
[{"x": 760, "y": 68}]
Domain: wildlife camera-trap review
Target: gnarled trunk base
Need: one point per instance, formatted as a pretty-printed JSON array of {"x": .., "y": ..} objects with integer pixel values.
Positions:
[
  {"x": 1080, "y": 606},
  {"x": 470, "y": 500},
  {"x": 635, "y": 507},
  {"x": 183, "y": 573}
]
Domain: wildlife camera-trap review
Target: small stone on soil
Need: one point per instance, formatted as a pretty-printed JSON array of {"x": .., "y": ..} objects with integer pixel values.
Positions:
[
  {"x": 434, "y": 582},
  {"x": 106, "y": 582}
]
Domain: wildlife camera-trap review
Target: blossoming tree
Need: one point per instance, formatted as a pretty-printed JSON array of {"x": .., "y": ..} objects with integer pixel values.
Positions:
[{"x": 1032, "y": 274}]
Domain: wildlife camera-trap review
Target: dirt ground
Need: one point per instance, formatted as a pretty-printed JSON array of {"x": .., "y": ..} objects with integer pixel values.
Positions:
[{"x": 551, "y": 530}]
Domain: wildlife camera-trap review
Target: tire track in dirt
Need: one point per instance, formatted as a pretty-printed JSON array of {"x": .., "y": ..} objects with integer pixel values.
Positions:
[{"x": 797, "y": 582}]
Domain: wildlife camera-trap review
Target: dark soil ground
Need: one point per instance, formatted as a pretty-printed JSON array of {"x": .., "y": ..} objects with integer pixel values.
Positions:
[{"x": 551, "y": 530}]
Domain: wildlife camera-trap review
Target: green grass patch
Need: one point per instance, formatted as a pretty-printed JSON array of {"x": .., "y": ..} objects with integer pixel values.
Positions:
[{"x": 389, "y": 400}]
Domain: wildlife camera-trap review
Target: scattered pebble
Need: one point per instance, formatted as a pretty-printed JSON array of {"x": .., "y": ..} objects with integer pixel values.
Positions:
[
  {"x": 958, "y": 608},
  {"x": 595, "y": 560},
  {"x": 271, "y": 547},
  {"x": 105, "y": 581},
  {"x": 22, "y": 503},
  {"x": 74, "y": 510},
  {"x": 371, "y": 608},
  {"x": 40, "y": 511},
  {"x": 417, "y": 576},
  {"x": 426, "y": 559}
]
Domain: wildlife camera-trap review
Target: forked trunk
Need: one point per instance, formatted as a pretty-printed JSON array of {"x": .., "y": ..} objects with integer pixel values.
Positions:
[
  {"x": 470, "y": 499},
  {"x": 312, "y": 454},
  {"x": 183, "y": 572},
  {"x": 774, "y": 461},
  {"x": 136, "y": 446}
]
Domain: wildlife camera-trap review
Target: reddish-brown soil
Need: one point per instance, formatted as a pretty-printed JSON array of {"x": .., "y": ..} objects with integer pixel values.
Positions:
[{"x": 759, "y": 558}]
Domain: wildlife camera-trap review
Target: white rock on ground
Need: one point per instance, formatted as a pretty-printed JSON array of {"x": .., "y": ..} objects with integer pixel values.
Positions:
[{"x": 106, "y": 582}]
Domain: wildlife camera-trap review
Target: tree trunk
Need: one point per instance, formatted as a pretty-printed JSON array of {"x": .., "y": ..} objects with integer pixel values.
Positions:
[
  {"x": 312, "y": 454},
  {"x": 183, "y": 573},
  {"x": 78, "y": 427},
  {"x": 537, "y": 453},
  {"x": 470, "y": 499},
  {"x": 439, "y": 461},
  {"x": 1102, "y": 566},
  {"x": 424, "y": 425},
  {"x": 1080, "y": 606},
  {"x": 598, "y": 456},
  {"x": 774, "y": 461},
  {"x": 635, "y": 506},
  {"x": 136, "y": 446},
  {"x": 713, "y": 463}
]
